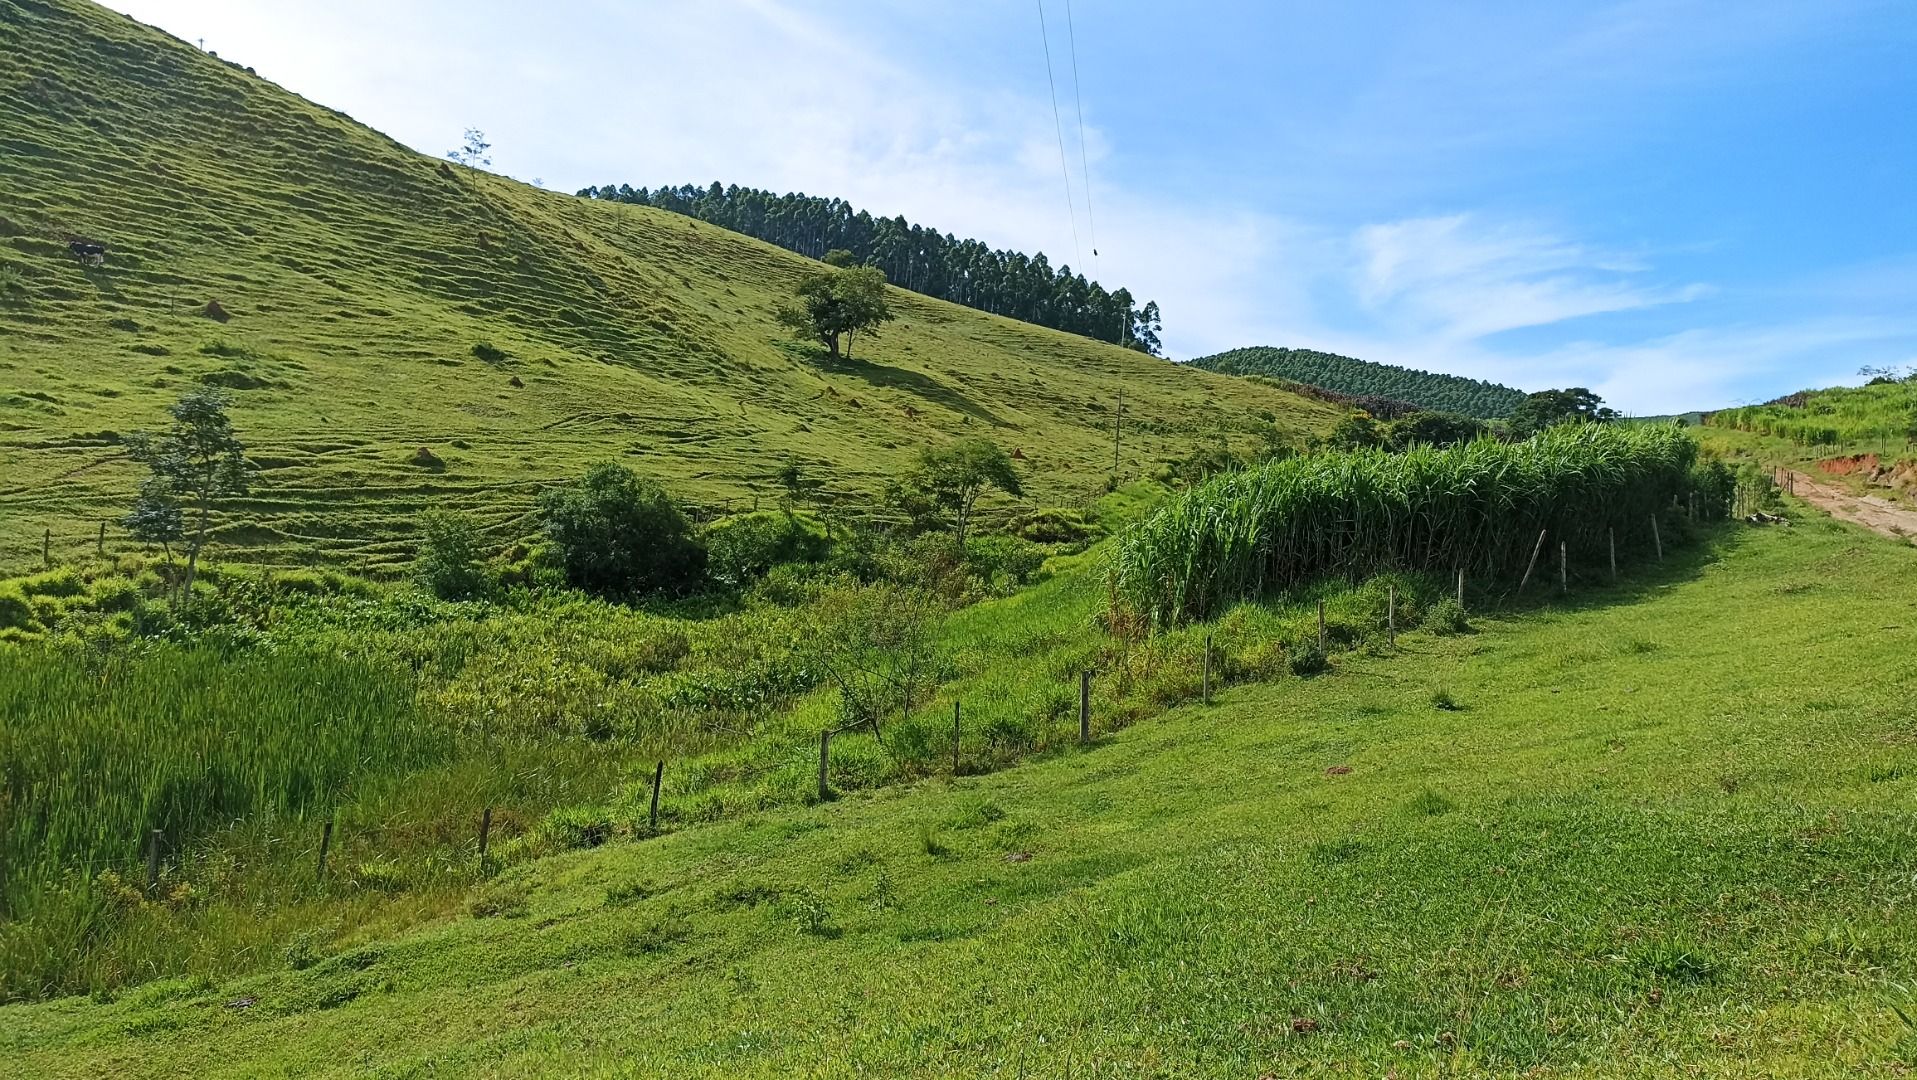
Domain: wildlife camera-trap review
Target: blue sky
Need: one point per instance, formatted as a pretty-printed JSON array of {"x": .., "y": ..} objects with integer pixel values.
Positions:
[{"x": 1678, "y": 204}]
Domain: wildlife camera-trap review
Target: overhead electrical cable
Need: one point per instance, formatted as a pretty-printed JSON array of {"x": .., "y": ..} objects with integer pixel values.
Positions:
[
  {"x": 1058, "y": 125},
  {"x": 1084, "y": 158}
]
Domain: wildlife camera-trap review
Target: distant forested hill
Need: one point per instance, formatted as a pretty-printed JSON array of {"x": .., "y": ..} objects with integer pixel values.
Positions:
[
  {"x": 1451, "y": 393},
  {"x": 1009, "y": 283}
]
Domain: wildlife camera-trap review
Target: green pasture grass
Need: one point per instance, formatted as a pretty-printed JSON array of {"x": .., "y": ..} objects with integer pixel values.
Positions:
[
  {"x": 377, "y": 301},
  {"x": 552, "y": 711},
  {"x": 1661, "y": 831}
]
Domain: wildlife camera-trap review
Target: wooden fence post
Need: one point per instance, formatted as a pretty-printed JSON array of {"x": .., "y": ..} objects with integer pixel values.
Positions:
[
  {"x": 326, "y": 841},
  {"x": 485, "y": 834},
  {"x": 46, "y": 549},
  {"x": 1207, "y": 682},
  {"x": 1657, "y": 539},
  {"x": 1460, "y": 590},
  {"x": 658, "y": 778},
  {"x": 825, "y": 764},
  {"x": 1533, "y": 564},
  {"x": 1321, "y": 626},
  {"x": 153, "y": 861},
  {"x": 1085, "y": 706},
  {"x": 1610, "y": 536},
  {"x": 99, "y": 546},
  {"x": 1391, "y": 615},
  {"x": 955, "y": 736},
  {"x": 1564, "y": 574}
]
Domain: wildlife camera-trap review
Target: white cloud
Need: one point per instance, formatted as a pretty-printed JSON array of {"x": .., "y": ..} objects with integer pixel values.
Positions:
[
  {"x": 770, "y": 94},
  {"x": 1461, "y": 278}
]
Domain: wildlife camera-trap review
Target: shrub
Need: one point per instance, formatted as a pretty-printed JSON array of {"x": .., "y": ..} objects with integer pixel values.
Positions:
[
  {"x": 1447, "y": 616},
  {"x": 618, "y": 535},
  {"x": 1715, "y": 485},
  {"x": 490, "y": 353},
  {"x": 15, "y": 612},
  {"x": 1004, "y": 560},
  {"x": 450, "y": 563},
  {"x": 740, "y": 550},
  {"x": 1308, "y": 659}
]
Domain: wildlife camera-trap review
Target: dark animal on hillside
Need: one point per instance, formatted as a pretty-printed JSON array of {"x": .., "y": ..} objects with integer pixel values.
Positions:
[{"x": 87, "y": 252}]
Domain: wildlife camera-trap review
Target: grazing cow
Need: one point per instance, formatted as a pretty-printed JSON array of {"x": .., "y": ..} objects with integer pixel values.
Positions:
[{"x": 87, "y": 252}]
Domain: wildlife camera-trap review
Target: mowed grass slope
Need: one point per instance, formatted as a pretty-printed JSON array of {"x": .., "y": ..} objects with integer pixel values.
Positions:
[
  {"x": 1665, "y": 830},
  {"x": 359, "y": 276}
]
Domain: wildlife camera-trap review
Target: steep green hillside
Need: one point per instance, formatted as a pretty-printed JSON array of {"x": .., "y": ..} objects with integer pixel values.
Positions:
[
  {"x": 1881, "y": 417},
  {"x": 356, "y": 279},
  {"x": 1624, "y": 838},
  {"x": 1363, "y": 378}
]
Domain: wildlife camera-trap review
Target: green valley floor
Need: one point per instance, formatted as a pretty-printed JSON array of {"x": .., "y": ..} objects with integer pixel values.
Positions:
[{"x": 1661, "y": 830}]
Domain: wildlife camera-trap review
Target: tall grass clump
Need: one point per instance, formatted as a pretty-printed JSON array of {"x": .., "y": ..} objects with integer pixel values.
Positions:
[
  {"x": 1476, "y": 507},
  {"x": 98, "y": 751}
]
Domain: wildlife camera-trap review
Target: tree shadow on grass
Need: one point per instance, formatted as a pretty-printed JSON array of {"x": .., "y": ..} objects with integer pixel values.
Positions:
[{"x": 886, "y": 376}]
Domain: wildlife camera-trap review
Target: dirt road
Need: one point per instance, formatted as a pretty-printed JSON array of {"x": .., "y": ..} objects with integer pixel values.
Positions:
[{"x": 1878, "y": 515}]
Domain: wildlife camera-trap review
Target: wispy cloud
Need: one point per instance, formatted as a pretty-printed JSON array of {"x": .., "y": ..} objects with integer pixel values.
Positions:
[
  {"x": 1389, "y": 226},
  {"x": 1462, "y": 279}
]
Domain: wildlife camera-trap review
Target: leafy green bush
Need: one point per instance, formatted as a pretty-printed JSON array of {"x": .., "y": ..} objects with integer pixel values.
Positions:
[
  {"x": 15, "y": 612},
  {"x": 1004, "y": 560},
  {"x": 1715, "y": 485},
  {"x": 490, "y": 353},
  {"x": 1447, "y": 616},
  {"x": 1307, "y": 658},
  {"x": 451, "y": 562},
  {"x": 743, "y": 549},
  {"x": 619, "y": 535}
]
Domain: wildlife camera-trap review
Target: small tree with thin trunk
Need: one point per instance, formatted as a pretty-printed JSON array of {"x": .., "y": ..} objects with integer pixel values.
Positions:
[
  {"x": 877, "y": 644},
  {"x": 953, "y": 477},
  {"x": 191, "y": 465},
  {"x": 472, "y": 151}
]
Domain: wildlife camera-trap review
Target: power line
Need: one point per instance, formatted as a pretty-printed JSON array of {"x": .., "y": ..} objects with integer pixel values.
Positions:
[
  {"x": 1084, "y": 159},
  {"x": 1058, "y": 125}
]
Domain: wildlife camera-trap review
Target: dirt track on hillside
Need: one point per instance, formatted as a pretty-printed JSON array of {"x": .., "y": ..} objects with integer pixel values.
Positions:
[{"x": 1873, "y": 513}]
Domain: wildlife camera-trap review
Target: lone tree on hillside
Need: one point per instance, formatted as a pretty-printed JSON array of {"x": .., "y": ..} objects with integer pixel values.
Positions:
[
  {"x": 840, "y": 302},
  {"x": 1547, "y": 407},
  {"x": 190, "y": 466},
  {"x": 953, "y": 477},
  {"x": 618, "y": 535},
  {"x": 472, "y": 149}
]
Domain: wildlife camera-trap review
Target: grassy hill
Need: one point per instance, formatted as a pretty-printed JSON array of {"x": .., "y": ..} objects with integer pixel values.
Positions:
[
  {"x": 1624, "y": 837},
  {"x": 1363, "y": 378},
  {"x": 376, "y": 302},
  {"x": 1858, "y": 438}
]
